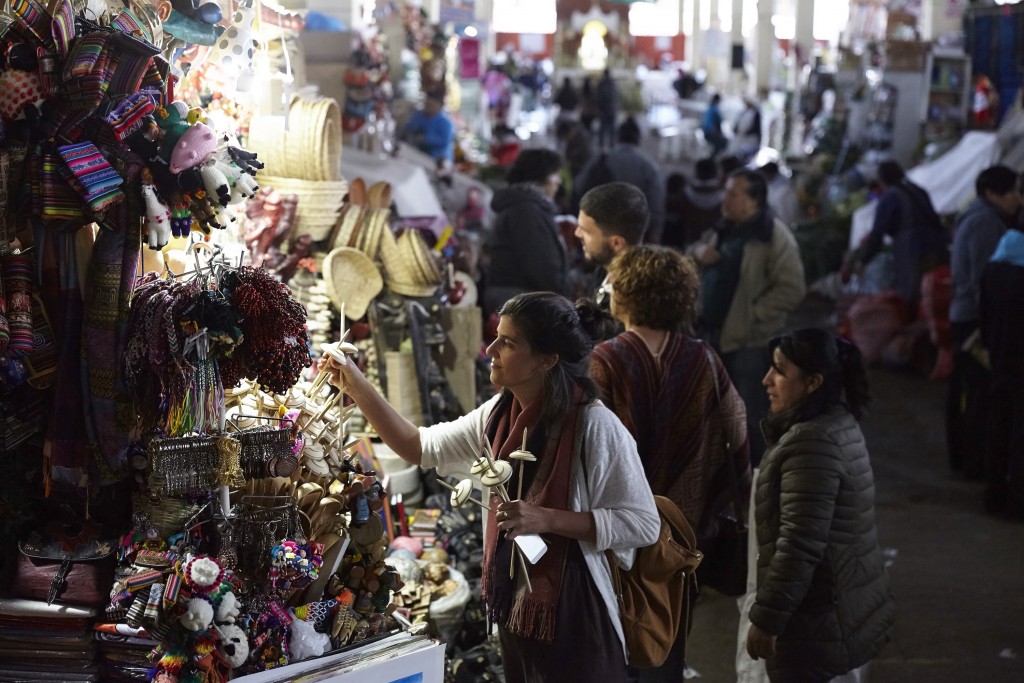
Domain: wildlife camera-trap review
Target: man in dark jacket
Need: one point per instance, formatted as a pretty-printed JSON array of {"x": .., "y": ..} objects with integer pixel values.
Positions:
[
  {"x": 525, "y": 248},
  {"x": 606, "y": 98},
  {"x": 981, "y": 226},
  {"x": 696, "y": 208},
  {"x": 919, "y": 243},
  {"x": 628, "y": 164},
  {"x": 1002, "y": 327}
]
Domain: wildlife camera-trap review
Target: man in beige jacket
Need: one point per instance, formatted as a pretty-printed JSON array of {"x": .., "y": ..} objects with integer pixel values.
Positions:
[{"x": 751, "y": 278}]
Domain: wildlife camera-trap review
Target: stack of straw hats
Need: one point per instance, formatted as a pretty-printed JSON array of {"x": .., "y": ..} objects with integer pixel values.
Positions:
[
  {"x": 364, "y": 218},
  {"x": 409, "y": 266},
  {"x": 303, "y": 157}
]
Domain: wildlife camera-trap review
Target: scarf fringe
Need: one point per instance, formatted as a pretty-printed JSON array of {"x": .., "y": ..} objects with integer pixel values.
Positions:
[{"x": 532, "y": 619}]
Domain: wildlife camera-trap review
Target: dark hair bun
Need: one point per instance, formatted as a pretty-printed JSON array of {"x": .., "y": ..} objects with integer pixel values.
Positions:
[{"x": 596, "y": 321}]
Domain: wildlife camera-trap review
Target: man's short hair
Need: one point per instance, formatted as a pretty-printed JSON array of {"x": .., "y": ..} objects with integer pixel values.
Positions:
[
  {"x": 890, "y": 172},
  {"x": 629, "y": 132},
  {"x": 705, "y": 169},
  {"x": 997, "y": 179},
  {"x": 757, "y": 186},
  {"x": 618, "y": 209}
]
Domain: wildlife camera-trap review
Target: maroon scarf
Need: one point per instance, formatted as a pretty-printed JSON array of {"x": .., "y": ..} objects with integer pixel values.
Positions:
[{"x": 529, "y": 614}]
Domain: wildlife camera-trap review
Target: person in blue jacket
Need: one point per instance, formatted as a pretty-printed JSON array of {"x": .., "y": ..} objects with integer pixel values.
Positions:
[{"x": 432, "y": 132}]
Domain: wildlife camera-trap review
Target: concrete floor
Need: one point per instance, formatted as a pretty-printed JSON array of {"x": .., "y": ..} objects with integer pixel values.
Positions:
[{"x": 957, "y": 574}]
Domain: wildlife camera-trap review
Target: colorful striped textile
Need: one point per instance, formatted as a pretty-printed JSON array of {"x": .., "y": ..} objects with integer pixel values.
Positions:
[
  {"x": 126, "y": 114},
  {"x": 88, "y": 70},
  {"x": 34, "y": 19},
  {"x": 5, "y": 328},
  {"x": 63, "y": 26},
  {"x": 17, "y": 280},
  {"x": 93, "y": 178}
]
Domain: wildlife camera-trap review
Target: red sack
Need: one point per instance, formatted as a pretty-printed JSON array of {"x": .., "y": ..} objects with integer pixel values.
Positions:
[{"x": 872, "y": 320}]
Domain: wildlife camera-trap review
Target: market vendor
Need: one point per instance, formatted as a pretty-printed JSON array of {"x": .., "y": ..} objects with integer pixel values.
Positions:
[
  {"x": 582, "y": 503},
  {"x": 432, "y": 132}
]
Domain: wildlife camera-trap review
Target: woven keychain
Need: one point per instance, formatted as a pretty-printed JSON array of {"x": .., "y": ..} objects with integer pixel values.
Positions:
[{"x": 17, "y": 283}]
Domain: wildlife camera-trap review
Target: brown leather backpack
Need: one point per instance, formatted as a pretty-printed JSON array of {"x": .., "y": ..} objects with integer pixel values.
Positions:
[{"x": 654, "y": 595}]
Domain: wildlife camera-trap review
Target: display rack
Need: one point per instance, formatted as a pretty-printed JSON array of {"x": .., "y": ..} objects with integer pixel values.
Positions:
[{"x": 944, "y": 107}]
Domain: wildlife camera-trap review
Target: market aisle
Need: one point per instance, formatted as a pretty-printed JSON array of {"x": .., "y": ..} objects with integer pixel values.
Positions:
[{"x": 956, "y": 572}]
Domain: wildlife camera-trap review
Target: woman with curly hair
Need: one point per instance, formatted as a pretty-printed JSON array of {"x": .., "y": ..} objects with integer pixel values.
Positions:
[{"x": 673, "y": 394}]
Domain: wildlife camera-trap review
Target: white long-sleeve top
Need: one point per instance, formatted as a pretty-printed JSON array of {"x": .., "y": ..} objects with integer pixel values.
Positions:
[{"x": 614, "y": 490}]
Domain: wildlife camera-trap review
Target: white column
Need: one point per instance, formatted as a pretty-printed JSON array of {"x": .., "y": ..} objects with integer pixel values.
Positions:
[
  {"x": 737, "y": 21},
  {"x": 937, "y": 21},
  {"x": 765, "y": 51},
  {"x": 484, "y": 15},
  {"x": 695, "y": 39},
  {"x": 805, "y": 28},
  {"x": 433, "y": 9}
]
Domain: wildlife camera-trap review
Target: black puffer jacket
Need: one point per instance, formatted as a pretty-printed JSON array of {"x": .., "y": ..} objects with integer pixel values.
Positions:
[
  {"x": 525, "y": 249},
  {"x": 822, "y": 588}
]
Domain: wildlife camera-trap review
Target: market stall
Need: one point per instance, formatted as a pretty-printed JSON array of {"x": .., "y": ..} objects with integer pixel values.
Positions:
[{"x": 176, "y": 264}]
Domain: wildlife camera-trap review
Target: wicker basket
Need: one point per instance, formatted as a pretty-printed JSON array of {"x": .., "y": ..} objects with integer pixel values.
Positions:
[
  {"x": 167, "y": 515},
  {"x": 319, "y": 206},
  {"x": 410, "y": 268},
  {"x": 305, "y": 147}
]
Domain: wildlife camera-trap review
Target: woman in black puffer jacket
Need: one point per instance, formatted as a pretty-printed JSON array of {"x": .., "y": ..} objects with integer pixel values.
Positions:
[{"x": 823, "y": 603}]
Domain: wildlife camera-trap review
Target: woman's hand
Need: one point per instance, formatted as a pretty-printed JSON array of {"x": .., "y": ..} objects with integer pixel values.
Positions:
[
  {"x": 517, "y": 518},
  {"x": 343, "y": 375},
  {"x": 760, "y": 645}
]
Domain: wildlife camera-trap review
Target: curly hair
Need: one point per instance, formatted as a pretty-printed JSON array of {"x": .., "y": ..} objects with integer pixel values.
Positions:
[{"x": 658, "y": 286}]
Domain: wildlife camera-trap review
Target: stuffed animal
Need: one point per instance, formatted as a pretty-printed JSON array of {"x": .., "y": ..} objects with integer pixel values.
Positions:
[
  {"x": 193, "y": 147},
  {"x": 236, "y": 48},
  {"x": 198, "y": 616},
  {"x": 305, "y": 642},
  {"x": 227, "y": 609},
  {"x": 158, "y": 218},
  {"x": 233, "y": 645}
]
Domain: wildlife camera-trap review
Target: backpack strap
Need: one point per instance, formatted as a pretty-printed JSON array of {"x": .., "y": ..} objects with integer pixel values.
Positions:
[{"x": 729, "y": 461}]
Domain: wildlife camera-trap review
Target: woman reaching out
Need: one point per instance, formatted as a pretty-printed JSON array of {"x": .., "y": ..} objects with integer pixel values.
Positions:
[{"x": 582, "y": 506}]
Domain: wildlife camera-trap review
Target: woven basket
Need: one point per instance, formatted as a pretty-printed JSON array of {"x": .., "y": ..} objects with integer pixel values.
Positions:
[
  {"x": 319, "y": 204},
  {"x": 310, "y": 148},
  {"x": 347, "y": 225},
  {"x": 167, "y": 515},
  {"x": 373, "y": 229}
]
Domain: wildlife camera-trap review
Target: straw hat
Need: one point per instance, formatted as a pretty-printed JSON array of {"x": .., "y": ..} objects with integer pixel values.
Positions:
[
  {"x": 352, "y": 279},
  {"x": 377, "y": 222},
  {"x": 410, "y": 267}
]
